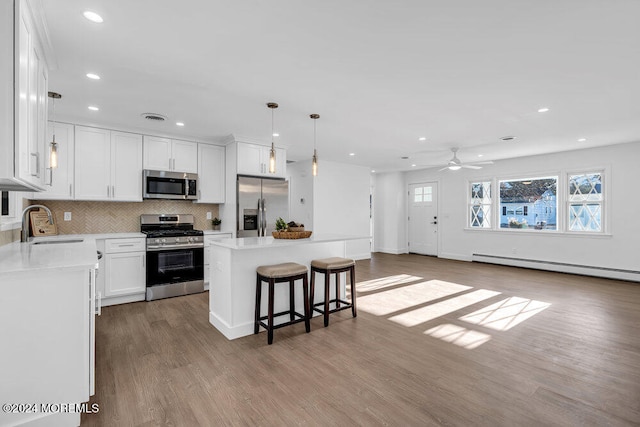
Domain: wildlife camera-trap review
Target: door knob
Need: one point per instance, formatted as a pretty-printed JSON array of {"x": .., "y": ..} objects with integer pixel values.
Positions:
[{"x": 434, "y": 222}]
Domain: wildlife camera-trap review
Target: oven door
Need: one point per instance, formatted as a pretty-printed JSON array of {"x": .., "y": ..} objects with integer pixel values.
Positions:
[{"x": 167, "y": 266}]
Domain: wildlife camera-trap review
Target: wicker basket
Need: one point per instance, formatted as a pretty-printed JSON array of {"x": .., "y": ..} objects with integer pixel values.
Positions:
[
  {"x": 291, "y": 234},
  {"x": 295, "y": 229}
]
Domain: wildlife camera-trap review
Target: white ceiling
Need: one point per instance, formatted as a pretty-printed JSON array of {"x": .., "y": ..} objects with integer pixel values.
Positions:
[{"x": 381, "y": 74}]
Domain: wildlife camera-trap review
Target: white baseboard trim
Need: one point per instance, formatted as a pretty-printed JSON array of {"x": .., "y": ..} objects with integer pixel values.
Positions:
[
  {"x": 122, "y": 299},
  {"x": 585, "y": 270},
  {"x": 456, "y": 257},
  {"x": 230, "y": 332},
  {"x": 392, "y": 251},
  {"x": 365, "y": 255}
]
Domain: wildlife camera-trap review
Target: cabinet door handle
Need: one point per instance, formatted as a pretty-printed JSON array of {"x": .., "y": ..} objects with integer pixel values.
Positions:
[
  {"x": 99, "y": 303},
  {"x": 37, "y": 156},
  {"x": 124, "y": 245},
  {"x": 108, "y": 192},
  {"x": 113, "y": 191},
  {"x": 70, "y": 191},
  {"x": 50, "y": 176}
]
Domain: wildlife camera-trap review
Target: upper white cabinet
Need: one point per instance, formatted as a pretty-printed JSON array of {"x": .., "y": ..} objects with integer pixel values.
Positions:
[
  {"x": 23, "y": 111},
  {"x": 253, "y": 160},
  {"x": 108, "y": 165},
  {"x": 59, "y": 181},
  {"x": 211, "y": 173},
  {"x": 170, "y": 155}
]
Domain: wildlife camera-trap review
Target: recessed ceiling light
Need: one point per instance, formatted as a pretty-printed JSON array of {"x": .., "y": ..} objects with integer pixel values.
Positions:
[
  {"x": 508, "y": 138},
  {"x": 352, "y": 154},
  {"x": 179, "y": 124},
  {"x": 93, "y": 17},
  {"x": 413, "y": 165},
  {"x": 93, "y": 76},
  {"x": 422, "y": 138},
  {"x": 480, "y": 155},
  {"x": 582, "y": 139},
  {"x": 276, "y": 134},
  {"x": 373, "y": 171},
  {"x": 93, "y": 108},
  {"x": 543, "y": 110}
]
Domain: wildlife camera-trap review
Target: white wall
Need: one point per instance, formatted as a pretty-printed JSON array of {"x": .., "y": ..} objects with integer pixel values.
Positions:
[
  {"x": 336, "y": 201},
  {"x": 617, "y": 250},
  {"x": 390, "y": 213},
  {"x": 301, "y": 193}
]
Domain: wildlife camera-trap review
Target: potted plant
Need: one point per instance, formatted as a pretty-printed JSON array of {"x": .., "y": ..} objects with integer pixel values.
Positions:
[
  {"x": 215, "y": 222},
  {"x": 281, "y": 225}
]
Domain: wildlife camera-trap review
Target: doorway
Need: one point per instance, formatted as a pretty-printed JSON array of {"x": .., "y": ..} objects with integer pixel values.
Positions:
[{"x": 423, "y": 218}]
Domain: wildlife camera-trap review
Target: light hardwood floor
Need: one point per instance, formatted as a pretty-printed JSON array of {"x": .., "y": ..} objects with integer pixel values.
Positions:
[{"x": 541, "y": 349}]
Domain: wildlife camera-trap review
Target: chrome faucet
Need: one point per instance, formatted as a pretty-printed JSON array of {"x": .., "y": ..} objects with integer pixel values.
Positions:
[{"x": 24, "y": 236}]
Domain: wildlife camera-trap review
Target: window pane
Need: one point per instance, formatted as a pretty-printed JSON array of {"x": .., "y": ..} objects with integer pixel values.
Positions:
[
  {"x": 585, "y": 187},
  {"x": 480, "y": 205},
  {"x": 427, "y": 190},
  {"x": 585, "y": 217},
  {"x": 529, "y": 203}
]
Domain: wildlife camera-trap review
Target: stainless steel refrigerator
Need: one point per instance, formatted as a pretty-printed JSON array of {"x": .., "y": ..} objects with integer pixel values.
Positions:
[{"x": 260, "y": 202}]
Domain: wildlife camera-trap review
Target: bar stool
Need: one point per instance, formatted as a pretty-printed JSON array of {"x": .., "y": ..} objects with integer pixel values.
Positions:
[
  {"x": 281, "y": 273},
  {"x": 329, "y": 266}
]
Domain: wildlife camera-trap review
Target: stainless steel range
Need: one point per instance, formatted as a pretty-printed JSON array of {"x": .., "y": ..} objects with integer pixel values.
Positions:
[{"x": 175, "y": 255}]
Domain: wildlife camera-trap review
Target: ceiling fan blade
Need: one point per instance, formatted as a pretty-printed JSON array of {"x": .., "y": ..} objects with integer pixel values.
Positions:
[
  {"x": 443, "y": 169},
  {"x": 471, "y": 166},
  {"x": 488, "y": 162}
]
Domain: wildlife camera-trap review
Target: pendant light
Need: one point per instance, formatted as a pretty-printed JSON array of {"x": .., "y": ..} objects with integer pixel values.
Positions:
[
  {"x": 272, "y": 152},
  {"x": 314, "y": 161},
  {"x": 53, "y": 146}
]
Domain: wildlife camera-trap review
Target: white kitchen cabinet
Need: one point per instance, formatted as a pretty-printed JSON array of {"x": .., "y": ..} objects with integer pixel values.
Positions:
[
  {"x": 108, "y": 165},
  {"x": 173, "y": 155},
  {"x": 208, "y": 238},
  {"x": 253, "y": 160},
  {"x": 126, "y": 167},
  {"x": 23, "y": 95},
  {"x": 59, "y": 181},
  {"x": 124, "y": 271},
  {"x": 211, "y": 173}
]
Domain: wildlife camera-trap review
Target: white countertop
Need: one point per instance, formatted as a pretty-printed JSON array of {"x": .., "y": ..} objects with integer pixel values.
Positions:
[
  {"x": 270, "y": 242},
  {"x": 20, "y": 257},
  {"x": 214, "y": 232},
  {"x": 98, "y": 236}
]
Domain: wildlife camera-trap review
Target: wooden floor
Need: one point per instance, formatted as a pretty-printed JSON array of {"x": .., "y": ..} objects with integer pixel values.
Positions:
[{"x": 574, "y": 362}]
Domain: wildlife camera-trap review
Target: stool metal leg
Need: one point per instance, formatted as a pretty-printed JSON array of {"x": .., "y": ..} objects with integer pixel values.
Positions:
[
  {"x": 270, "y": 314},
  {"x": 256, "y": 326},
  {"x": 292, "y": 303},
  {"x": 337, "y": 289},
  {"x": 312, "y": 290},
  {"x": 327, "y": 277},
  {"x": 352, "y": 274},
  {"x": 307, "y": 310}
]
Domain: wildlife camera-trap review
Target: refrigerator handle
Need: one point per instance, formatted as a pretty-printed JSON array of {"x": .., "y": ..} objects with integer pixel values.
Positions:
[
  {"x": 259, "y": 219},
  {"x": 264, "y": 218}
]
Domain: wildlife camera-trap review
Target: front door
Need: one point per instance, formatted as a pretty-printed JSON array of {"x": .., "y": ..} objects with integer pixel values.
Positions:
[{"x": 423, "y": 218}]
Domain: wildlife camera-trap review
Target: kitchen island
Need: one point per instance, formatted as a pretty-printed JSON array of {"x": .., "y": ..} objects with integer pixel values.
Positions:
[{"x": 233, "y": 276}]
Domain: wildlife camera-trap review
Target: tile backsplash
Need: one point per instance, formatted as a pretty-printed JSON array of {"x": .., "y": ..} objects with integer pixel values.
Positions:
[
  {"x": 9, "y": 236},
  {"x": 121, "y": 217}
]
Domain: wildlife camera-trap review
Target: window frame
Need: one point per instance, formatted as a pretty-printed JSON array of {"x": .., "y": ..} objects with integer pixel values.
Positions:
[
  {"x": 604, "y": 202},
  {"x": 562, "y": 202},
  {"x": 11, "y": 221},
  {"x": 470, "y": 204}
]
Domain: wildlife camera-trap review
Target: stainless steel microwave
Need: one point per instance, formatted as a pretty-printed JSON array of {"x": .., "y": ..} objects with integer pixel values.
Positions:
[{"x": 169, "y": 185}]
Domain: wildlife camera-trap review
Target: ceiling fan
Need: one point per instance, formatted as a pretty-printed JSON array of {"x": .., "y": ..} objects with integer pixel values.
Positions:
[{"x": 455, "y": 163}]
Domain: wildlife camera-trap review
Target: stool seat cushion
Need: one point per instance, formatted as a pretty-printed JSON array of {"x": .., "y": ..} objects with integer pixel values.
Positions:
[
  {"x": 277, "y": 271},
  {"x": 331, "y": 263}
]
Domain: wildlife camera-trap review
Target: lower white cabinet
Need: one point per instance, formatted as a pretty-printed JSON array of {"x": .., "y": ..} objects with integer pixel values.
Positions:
[
  {"x": 208, "y": 238},
  {"x": 122, "y": 274}
]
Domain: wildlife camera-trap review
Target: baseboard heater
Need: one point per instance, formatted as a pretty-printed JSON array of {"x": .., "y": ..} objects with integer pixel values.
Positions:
[{"x": 587, "y": 270}]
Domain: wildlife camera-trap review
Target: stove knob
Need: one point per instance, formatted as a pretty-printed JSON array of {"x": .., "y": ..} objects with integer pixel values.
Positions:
[
  {"x": 190, "y": 239},
  {"x": 164, "y": 240},
  {"x": 157, "y": 240}
]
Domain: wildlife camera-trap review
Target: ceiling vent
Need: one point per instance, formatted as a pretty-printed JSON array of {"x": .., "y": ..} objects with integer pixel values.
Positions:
[
  {"x": 508, "y": 138},
  {"x": 154, "y": 117}
]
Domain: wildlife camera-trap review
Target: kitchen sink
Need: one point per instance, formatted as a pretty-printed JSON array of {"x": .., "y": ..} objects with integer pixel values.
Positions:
[{"x": 51, "y": 242}]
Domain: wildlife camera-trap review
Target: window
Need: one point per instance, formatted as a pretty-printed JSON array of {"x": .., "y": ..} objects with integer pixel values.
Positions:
[
  {"x": 585, "y": 202},
  {"x": 480, "y": 205},
  {"x": 423, "y": 194},
  {"x": 529, "y": 203}
]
